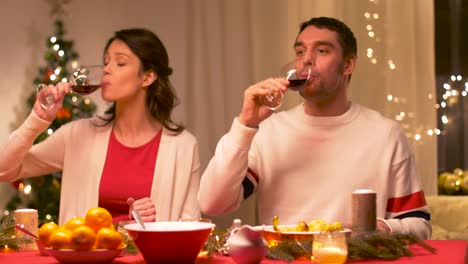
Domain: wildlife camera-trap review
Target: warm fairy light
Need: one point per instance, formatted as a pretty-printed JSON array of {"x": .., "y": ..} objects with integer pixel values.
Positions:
[
  {"x": 459, "y": 77},
  {"x": 6, "y": 212},
  {"x": 53, "y": 77},
  {"x": 408, "y": 120},
  {"x": 50, "y": 131},
  {"x": 75, "y": 64},
  {"x": 48, "y": 217},
  {"x": 56, "y": 47},
  {"x": 57, "y": 70},
  {"x": 464, "y": 93},
  {"x": 444, "y": 119},
  {"x": 74, "y": 99},
  {"x": 64, "y": 79},
  {"x": 453, "y": 78},
  {"x": 27, "y": 189},
  {"x": 443, "y": 104},
  {"x": 53, "y": 39},
  {"x": 61, "y": 53},
  {"x": 86, "y": 101},
  {"x": 437, "y": 131},
  {"x": 446, "y": 86}
]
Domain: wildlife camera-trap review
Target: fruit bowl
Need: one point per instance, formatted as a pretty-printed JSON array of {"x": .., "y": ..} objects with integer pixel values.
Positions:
[
  {"x": 273, "y": 237},
  {"x": 170, "y": 242},
  {"x": 89, "y": 256}
]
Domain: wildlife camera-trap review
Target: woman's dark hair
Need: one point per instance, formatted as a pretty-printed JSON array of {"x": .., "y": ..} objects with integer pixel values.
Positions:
[{"x": 160, "y": 97}]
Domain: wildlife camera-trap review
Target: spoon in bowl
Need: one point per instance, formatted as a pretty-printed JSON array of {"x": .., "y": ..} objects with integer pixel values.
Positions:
[
  {"x": 137, "y": 217},
  {"x": 40, "y": 246}
]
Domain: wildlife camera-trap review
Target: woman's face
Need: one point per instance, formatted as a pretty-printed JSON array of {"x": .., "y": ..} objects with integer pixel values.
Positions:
[{"x": 123, "y": 79}]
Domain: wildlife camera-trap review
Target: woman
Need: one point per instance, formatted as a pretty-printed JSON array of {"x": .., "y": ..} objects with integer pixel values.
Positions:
[{"x": 133, "y": 157}]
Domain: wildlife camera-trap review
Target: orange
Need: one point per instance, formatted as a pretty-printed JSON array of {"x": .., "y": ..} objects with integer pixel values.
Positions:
[
  {"x": 83, "y": 238},
  {"x": 45, "y": 232},
  {"x": 74, "y": 223},
  {"x": 108, "y": 238},
  {"x": 98, "y": 218},
  {"x": 60, "y": 239}
]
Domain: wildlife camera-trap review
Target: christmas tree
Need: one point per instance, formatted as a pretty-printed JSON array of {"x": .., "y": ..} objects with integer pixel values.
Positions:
[{"x": 43, "y": 193}]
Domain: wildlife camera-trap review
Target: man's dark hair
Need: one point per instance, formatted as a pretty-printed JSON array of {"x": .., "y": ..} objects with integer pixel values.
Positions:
[{"x": 345, "y": 35}]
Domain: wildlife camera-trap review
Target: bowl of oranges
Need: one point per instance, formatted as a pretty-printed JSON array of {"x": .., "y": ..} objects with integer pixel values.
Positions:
[{"x": 92, "y": 238}]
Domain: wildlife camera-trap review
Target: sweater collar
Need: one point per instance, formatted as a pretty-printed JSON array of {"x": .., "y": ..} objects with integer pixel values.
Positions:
[{"x": 343, "y": 119}]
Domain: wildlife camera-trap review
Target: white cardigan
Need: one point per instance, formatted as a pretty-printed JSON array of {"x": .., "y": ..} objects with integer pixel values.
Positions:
[{"x": 79, "y": 150}]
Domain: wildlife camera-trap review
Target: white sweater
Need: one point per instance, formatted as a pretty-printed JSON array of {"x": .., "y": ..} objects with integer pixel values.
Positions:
[
  {"x": 79, "y": 149},
  {"x": 307, "y": 168}
]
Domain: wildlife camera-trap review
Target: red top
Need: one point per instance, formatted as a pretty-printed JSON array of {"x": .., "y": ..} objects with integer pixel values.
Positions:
[{"x": 128, "y": 172}]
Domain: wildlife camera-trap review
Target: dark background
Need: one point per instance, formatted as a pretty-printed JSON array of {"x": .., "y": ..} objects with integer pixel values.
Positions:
[{"x": 451, "y": 58}]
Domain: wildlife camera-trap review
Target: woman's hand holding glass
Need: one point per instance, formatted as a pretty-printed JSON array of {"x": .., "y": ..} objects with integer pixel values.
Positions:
[{"x": 55, "y": 95}]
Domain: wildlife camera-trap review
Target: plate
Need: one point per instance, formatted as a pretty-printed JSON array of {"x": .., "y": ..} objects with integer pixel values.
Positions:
[
  {"x": 90, "y": 256},
  {"x": 274, "y": 237}
]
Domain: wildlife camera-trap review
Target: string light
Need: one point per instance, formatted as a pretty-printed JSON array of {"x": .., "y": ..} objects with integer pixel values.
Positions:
[{"x": 373, "y": 24}]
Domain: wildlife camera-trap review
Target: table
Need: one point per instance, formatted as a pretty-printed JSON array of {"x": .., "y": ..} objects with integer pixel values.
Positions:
[{"x": 448, "y": 252}]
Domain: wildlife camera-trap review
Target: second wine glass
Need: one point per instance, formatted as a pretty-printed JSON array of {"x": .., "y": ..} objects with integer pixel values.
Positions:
[
  {"x": 83, "y": 81},
  {"x": 298, "y": 76}
]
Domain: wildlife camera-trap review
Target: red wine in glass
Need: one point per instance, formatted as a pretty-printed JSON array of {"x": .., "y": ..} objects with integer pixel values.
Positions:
[
  {"x": 85, "y": 89},
  {"x": 83, "y": 81},
  {"x": 297, "y": 74},
  {"x": 297, "y": 84}
]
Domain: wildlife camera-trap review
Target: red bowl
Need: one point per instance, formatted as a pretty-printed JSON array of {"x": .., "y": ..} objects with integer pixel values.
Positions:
[{"x": 170, "y": 242}]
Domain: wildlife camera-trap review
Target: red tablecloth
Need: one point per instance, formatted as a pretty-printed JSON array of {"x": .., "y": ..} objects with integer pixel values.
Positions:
[{"x": 448, "y": 252}]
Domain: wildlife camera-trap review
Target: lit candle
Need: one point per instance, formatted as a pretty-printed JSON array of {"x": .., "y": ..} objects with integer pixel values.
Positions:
[{"x": 6, "y": 249}]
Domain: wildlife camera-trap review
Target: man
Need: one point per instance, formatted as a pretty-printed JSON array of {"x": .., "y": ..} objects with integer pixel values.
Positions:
[{"x": 304, "y": 163}]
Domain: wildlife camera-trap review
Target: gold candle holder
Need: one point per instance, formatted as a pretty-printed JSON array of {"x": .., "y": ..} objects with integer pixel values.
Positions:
[
  {"x": 364, "y": 215},
  {"x": 29, "y": 220}
]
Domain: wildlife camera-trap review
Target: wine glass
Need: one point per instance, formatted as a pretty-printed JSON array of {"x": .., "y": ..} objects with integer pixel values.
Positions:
[
  {"x": 298, "y": 76},
  {"x": 83, "y": 81}
]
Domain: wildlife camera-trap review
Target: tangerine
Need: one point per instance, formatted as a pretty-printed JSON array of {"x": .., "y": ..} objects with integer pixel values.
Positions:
[
  {"x": 98, "y": 218},
  {"x": 60, "y": 239},
  {"x": 83, "y": 238},
  {"x": 45, "y": 231},
  {"x": 107, "y": 238},
  {"x": 74, "y": 223}
]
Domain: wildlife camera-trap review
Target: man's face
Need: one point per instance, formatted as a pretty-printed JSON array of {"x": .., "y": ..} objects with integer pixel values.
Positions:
[{"x": 319, "y": 49}]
